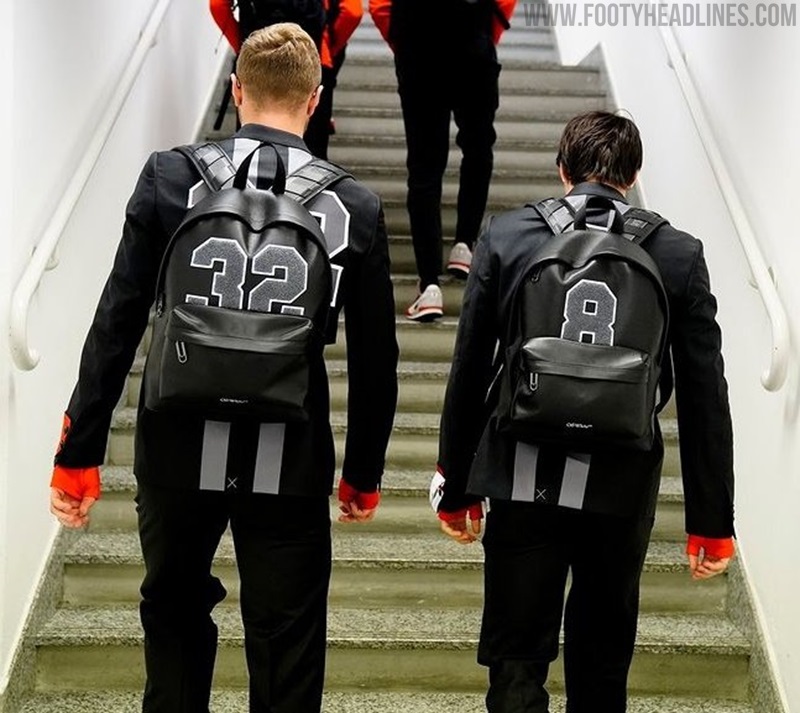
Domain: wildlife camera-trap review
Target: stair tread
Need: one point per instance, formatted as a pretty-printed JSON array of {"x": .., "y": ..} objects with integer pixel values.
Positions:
[
  {"x": 231, "y": 701},
  {"x": 421, "y": 424},
  {"x": 352, "y": 549},
  {"x": 120, "y": 479},
  {"x": 391, "y": 628}
]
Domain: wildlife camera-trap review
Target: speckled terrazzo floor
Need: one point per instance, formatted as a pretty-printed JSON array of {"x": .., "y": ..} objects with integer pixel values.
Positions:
[{"x": 236, "y": 702}]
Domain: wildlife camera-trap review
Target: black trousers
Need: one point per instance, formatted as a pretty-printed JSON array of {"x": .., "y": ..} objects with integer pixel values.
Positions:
[
  {"x": 529, "y": 552},
  {"x": 283, "y": 552},
  {"x": 430, "y": 93}
]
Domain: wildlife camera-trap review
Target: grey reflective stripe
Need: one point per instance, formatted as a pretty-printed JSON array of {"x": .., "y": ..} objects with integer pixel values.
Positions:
[
  {"x": 297, "y": 159},
  {"x": 573, "y": 486},
  {"x": 525, "y": 460},
  {"x": 214, "y": 459},
  {"x": 269, "y": 458}
]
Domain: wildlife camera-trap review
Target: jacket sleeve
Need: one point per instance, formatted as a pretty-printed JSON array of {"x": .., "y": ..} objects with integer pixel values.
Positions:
[
  {"x": 119, "y": 322},
  {"x": 372, "y": 355},
  {"x": 506, "y": 8},
  {"x": 701, "y": 396},
  {"x": 380, "y": 11},
  {"x": 465, "y": 409},
  {"x": 222, "y": 12},
  {"x": 343, "y": 27}
]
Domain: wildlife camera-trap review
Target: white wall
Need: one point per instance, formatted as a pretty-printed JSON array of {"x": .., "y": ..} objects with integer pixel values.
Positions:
[
  {"x": 5, "y": 279},
  {"x": 67, "y": 59},
  {"x": 747, "y": 78}
]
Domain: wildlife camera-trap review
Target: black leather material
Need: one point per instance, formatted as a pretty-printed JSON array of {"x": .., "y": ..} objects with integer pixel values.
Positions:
[
  {"x": 230, "y": 363},
  {"x": 587, "y": 394}
]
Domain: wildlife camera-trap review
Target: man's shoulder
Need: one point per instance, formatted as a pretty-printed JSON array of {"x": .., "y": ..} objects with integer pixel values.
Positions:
[
  {"x": 506, "y": 228},
  {"x": 355, "y": 193}
]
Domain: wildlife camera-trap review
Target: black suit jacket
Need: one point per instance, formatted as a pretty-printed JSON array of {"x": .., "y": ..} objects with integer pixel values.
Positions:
[
  {"x": 188, "y": 452},
  {"x": 477, "y": 460}
]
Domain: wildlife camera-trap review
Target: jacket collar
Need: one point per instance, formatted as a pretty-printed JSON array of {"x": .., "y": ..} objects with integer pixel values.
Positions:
[
  {"x": 597, "y": 189},
  {"x": 259, "y": 132}
]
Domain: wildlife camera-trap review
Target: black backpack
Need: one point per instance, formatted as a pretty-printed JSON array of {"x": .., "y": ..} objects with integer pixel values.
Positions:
[
  {"x": 243, "y": 295},
  {"x": 255, "y": 14},
  {"x": 587, "y": 333}
]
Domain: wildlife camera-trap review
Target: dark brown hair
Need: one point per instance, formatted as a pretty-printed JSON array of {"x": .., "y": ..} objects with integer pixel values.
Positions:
[{"x": 600, "y": 146}]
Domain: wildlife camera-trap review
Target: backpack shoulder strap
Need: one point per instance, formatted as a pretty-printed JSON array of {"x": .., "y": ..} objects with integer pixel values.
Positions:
[
  {"x": 312, "y": 178},
  {"x": 640, "y": 223},
  {"x": 211, "y": 162},
  {"x": 556, "y": 212}
]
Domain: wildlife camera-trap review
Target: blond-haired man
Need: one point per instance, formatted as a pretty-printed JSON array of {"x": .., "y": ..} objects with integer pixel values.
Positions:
[{"x": 270, "y": 484}]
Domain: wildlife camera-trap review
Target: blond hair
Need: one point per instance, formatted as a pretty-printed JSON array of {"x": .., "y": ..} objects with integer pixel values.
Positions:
[{"x": 279, "y": 65}]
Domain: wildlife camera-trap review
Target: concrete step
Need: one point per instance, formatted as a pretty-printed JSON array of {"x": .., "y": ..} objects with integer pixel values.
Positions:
[
  {"x": 404, "y": 508},
  {"x": 509, "y": 193},
  {"x": 432, "y": 342},
  {"x": 358, "y": 702},
  {"x": 414, "y": 443},
  {"x": 516, "y": 76},
  {"x": 536, "y": 104},
  {"x": 376, "y": 570},
  {"x": 100, "y": 648},
  {"x": 363, "y": 159}
]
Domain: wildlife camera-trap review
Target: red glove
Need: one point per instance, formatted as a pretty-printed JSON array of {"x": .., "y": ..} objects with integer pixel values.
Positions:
[
  {"x": 78, "y": 483},
  {"x": 356, "y": 505},
  {"x": 718, "y": 548},
  {"x": 473, "y": 512}
]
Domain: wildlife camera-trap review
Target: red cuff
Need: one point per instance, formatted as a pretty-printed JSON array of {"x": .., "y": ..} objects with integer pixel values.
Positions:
[
  {"x": 473, "y": 512},
  {"x": 721, "y": 548},
  {"x": 364, "y": 501},
  {"x": 78, "y": 483}
]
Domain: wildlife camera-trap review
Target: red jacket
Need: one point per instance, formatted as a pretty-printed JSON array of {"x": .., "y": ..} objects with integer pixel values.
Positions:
[
  {"x": 380, "y": 10},
  {"x": 334, "y": 38}
]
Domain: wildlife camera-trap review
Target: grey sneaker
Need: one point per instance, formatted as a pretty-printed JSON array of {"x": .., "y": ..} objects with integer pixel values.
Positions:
[
  {"x": 428, "y": 306},
  {"x": 460, "y": 261}
]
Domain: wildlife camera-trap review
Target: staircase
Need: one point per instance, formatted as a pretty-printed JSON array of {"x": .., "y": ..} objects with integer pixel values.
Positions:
[{"x": 405, "y": 600}]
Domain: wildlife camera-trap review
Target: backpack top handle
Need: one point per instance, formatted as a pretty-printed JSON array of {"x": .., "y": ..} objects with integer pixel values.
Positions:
[
  {"x": 278, "y": 183},
  {"x": 618, "y": 223}
]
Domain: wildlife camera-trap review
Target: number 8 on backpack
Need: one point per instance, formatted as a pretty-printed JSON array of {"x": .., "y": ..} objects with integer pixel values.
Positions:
[{"x": 587, "y": 333}]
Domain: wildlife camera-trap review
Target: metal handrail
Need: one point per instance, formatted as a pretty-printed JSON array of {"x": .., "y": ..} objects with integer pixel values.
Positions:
[
  {"x": 24, "y": 357},
  {"x": 774, "y": 377}
]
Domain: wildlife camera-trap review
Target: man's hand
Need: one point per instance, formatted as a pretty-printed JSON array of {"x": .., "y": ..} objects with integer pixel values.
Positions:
[
  {"x": 355, "y": 505},
  {"x": 464, "y": 525},
  {"x": 709, "y": 556},
  {"x": 73, "y": 491}
]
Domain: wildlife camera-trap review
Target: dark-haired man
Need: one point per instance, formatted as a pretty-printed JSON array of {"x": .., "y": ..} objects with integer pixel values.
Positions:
[
  {"x": 555, "y": 513},
  {"x": 269, "y": 482}
]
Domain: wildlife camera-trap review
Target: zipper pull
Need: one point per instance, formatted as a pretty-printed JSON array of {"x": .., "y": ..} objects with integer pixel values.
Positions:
[
  {"x": 180, "y": 348},
  {"x": 533, "y": 382}
]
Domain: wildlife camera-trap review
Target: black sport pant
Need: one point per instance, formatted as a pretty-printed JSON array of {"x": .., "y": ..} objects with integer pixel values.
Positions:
[
  {"x": 430, "y": 92},
  {"x": 283, "y": 551},
  {"x": 530, "y": 549}
]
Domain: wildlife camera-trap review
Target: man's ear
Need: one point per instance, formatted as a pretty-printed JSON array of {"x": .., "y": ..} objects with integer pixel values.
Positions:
[
  {"x": 236, "y": 91},
  {"x": 313, "y": 101},
  {"x": 634, "y": 181}
]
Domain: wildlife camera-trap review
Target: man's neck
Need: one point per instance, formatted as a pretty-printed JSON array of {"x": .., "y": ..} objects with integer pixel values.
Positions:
[{"x": 276, "y": 120}]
